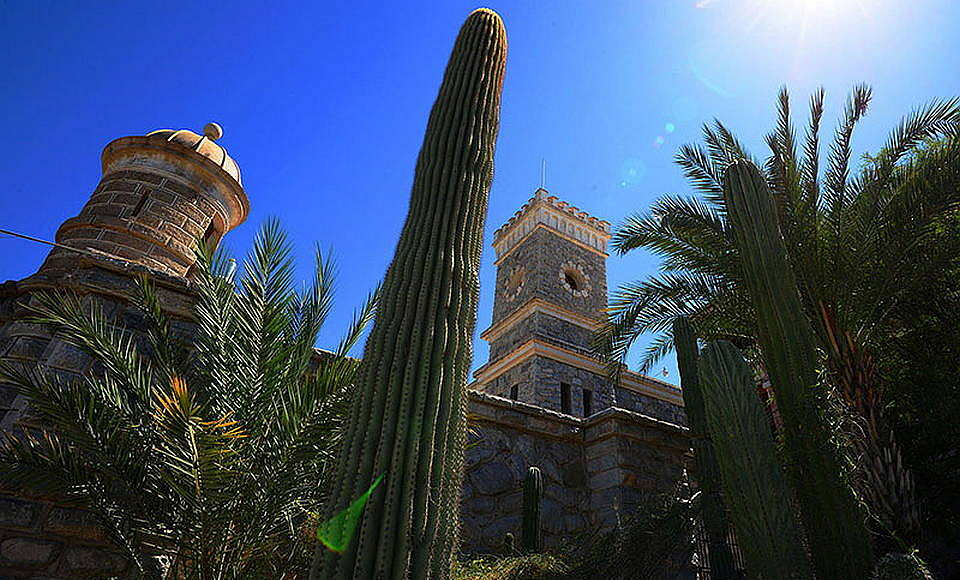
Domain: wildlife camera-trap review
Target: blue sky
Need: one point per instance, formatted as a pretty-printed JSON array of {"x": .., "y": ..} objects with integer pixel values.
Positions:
[{"x": 324, "y": 104}]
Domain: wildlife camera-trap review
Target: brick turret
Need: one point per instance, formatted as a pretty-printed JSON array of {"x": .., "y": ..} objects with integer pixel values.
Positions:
[{"x": 159, "y": 194}]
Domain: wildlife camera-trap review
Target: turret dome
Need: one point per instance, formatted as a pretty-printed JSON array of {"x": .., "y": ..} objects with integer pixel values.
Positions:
[{"x": 203, "y": 144}]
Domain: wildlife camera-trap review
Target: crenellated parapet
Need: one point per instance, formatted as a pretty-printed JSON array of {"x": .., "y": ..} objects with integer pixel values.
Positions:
[{"x": 548, "y": 211}]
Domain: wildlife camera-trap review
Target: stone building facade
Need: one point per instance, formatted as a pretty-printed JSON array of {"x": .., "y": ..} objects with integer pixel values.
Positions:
[{"x": 542, "y": 399}]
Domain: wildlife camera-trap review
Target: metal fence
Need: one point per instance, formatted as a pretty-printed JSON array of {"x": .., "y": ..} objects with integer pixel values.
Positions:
[{"x": 700, "y": 561}]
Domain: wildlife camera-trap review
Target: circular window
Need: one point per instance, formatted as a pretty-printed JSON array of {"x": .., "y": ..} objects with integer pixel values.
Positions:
[
  {"x": 515, "y": 282},
  {"x": 574, "y": 280}
]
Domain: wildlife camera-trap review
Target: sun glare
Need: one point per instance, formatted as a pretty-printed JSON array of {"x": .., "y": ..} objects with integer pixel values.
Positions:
[{"x": 787, "y": 38}]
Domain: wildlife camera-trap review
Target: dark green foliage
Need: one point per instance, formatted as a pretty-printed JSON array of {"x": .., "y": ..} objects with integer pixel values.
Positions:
[
  {"x": 408, "y": 420},
  {"x": 653, "y": 542},
  {"x": 839, "y": 543},
  {"x": 896, "y": 566},
  {"x": 532, "y": 496},
  {"x": 871, "y": 269},
  {"x": 705, "y": 469},
  {"x": 207, "y": 445},
  {"x": 525, "y": 567},
  {"x": 755, "y": 489}
]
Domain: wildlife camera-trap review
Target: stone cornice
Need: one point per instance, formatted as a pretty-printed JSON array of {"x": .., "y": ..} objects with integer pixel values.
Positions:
[
  {"x": 636, "y": 382},
  {"x": 486, "y": 408},
  {"x": 533, "y": 306}
]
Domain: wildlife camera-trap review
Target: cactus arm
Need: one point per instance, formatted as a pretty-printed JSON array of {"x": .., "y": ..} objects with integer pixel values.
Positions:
[
  {"x": 706, "y": 470},
  {"x": 834, "y": 526}
]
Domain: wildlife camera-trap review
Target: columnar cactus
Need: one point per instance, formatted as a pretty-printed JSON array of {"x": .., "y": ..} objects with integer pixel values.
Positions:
[
  {"x": 705, "y": 469},
  {"x": 756, "y": 491},
  {"x": 835, "y": 528},
  {"x": 509, "y": 544},
  {"x": 532, "y": 495},
  {"x": 407, "y": 420}
]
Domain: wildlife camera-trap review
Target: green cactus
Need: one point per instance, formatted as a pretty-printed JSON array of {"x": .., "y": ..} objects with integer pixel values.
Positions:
[
  {"x": 532, "y": 495},
  {"x": 838, "y": 539},
  {"x": 756, "y": 491},
  {"x": 407, "y": 420},
  {"x": 705, "y": 468},
  {"x": 509, "y": 544}
]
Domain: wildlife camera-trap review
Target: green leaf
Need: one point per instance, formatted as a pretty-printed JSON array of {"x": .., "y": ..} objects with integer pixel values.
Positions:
[{"x": 336, "y": 532}]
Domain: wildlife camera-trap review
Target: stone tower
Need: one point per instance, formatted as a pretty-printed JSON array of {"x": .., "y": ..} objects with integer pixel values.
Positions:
[
  {"x": 544, "y": 399},
  {"x": 550, "y": 293},
  {"x": 159, "y": 194}
]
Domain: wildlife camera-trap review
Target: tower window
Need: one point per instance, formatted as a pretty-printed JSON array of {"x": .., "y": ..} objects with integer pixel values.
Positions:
[
  {"x": 565, "y": 398},
  {"x": 140, "y": 203},
  {"x": 587, "y": 402},
  {"x": 514, "y": 392},
  {"x": 574, "y": 280},
  {"x": 211, "y": 237}
]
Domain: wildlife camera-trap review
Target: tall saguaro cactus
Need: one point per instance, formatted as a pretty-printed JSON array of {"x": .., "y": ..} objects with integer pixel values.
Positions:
[
  {"x": 705, "y": 468},
  {"x": 407, "y": 420},
  {"x": 532, "y": 495},
  {"x": 757, "y": 492},
  {"x": 835, "y": 529}
]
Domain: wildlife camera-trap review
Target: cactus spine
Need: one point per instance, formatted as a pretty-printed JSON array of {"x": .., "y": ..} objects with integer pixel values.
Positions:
[
  {"x": 705, "y": 468},
  {"x": 532, "y": 494},
  {"x": 835, "y": 529},
  {"x": 755, "y": 488},
  {"x": 407, "y": 417}
]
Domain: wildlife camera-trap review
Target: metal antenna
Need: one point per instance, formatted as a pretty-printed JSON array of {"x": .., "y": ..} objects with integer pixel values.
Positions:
[{"x": 543, "y": 172}]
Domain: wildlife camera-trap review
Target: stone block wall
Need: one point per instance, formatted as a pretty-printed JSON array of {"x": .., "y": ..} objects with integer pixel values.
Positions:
[
  {"x": 551, "y": 373},
  {"x": 542, "y": 257},
  {"x": 544, "y": 327},
  {"x": 39, "y": 537},
  {"x": 151, "y": 217},
  {"x": 646, "y": 405},
  {"x": 630, "y": 456},
  {"x": 507, "y": 439},
  {"x": 592, "y": 468}
]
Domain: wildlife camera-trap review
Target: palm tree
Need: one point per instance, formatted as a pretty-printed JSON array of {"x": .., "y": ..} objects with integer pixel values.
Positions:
[
  {"x": 202, "y": 453},
  {"x": 858, "y": 245}
]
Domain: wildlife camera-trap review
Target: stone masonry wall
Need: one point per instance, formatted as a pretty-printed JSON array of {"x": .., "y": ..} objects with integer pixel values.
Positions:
[
  {"x": 544, "y": 327},
  {"x": 592, "y": 468},
  {"x": 542, "y": 257},
  {"x": 634, "y": 401},
  {"x": 509, "y": 438},
  {"x": 555, "y": 252},
  {"x": 551, "y": 373},
  {"x": 151, "y": 217},
  {"x": 40, "y": 537}
]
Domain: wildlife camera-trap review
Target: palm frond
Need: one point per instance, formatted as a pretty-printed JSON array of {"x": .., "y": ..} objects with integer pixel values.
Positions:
[
  {"x": 810, "y": 164},
  {"x": 841, "y": 149}
]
